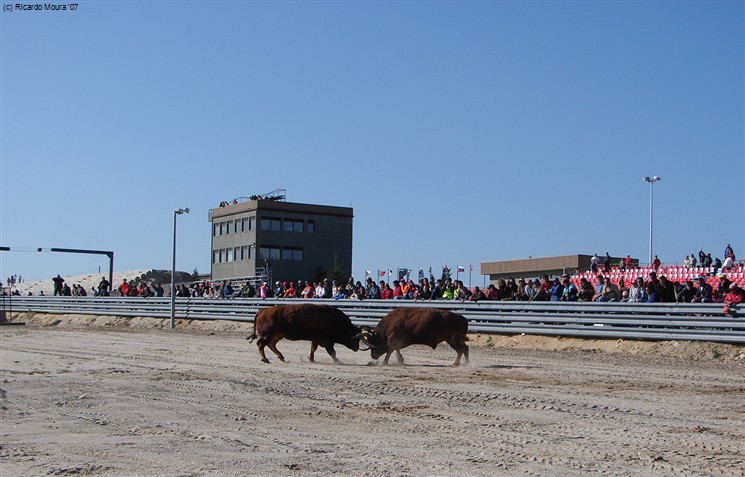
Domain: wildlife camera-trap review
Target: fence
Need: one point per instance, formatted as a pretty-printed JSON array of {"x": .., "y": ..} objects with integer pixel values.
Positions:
[{"x": 652, "y": 321}]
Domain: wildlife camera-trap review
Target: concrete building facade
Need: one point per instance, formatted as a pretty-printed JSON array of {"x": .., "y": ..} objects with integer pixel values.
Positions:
[
  {"x": 535, "y": 267},
  {"x": 292, "y": 239}
]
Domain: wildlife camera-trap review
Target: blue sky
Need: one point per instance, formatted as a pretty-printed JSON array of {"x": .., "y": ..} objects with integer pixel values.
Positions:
[{"x": 460, "y": 132}]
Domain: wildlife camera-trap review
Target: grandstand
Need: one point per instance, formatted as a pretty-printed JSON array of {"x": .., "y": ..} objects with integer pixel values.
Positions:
[{"x": 674, "y": 273}]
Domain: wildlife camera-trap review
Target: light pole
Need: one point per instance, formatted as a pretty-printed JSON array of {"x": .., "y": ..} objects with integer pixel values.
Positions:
[
  {"x": 173, "y": 267},
  {"x": 651, "y": 182}
]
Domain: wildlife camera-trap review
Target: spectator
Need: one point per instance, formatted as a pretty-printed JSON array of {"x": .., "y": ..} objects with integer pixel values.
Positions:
[
  {"x": 599, "y": 284},
  {"x": 437, "y": 290},
  {"x": 594, "y": 261},
  {"x": 448, "y": 290},
  {"x": 636, "y": 290},
  {"x": 104, "y": 287},
  {"x": 477, "y": 295},
  {"x": 703, "y": 292},
  {"x": 58, "y": 288},
  {"x": 570, "y": 291},
  {"x": 627, "y": 262},
  {"x": 723, "y": 287},
  {"x": 318, "y": 290},
  {"x": 686, "y": 293},
  {"x": 340, "y": 294},
  {"x": 398, "y": 293},
  {"x": 503, "y": 291},
  {"x": 735, "y": 295},
  {"x": 656, "y": 263},
  {"x": 610, "y": 291},
  {"x": 622, "y": 287},
  {"x": 606, "y": 262},
  {"x": 729, "y": 262},
  {"x": 335, "y": 288},
  {"x": 279, "y": 289},
  {"x": 290, "y": 292},
  {"x": 492, "y": 293},
  {"x": 666, "y": 290},
  {"x": 556, "y": 290},
  {"x": 540, "y": 293},
  {"x": 385, "y": 291},
  {"x": 521, "y": 294},
  {"x": 227, "y": 289},
  {"x": 123, "y": 288},
  {"x": 586, "y": 290},
  {"x": 650, "y": 294},
  {"x": 308, "y": 291},
  {"x": 461, "y": 292},
  {"x": 425, "y": 291},
  {"x": 729, "y": 253}
]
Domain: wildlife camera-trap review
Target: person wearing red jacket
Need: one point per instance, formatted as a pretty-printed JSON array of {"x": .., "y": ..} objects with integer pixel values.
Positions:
[{"x": 735, "y": 296}]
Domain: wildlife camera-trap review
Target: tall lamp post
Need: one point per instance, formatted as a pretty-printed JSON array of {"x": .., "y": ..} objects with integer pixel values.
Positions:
[
  {"x": 651, "y": 181},
  {"x": 173, "y": 267}
]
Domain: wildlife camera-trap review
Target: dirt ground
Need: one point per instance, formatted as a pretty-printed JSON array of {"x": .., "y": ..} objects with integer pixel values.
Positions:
[{"x": 82, "y": 395}]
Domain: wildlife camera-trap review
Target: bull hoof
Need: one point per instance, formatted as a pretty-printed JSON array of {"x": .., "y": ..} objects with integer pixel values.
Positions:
[{"x": 265, "y": 361}]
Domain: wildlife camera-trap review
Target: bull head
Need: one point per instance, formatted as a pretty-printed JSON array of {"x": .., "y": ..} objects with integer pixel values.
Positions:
[{"x": 373, "y": 342}]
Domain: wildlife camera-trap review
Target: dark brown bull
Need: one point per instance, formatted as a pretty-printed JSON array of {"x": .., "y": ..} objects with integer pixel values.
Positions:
[
  {"x": 322, "y": 325},
  {"x": 407, "y": 326}
]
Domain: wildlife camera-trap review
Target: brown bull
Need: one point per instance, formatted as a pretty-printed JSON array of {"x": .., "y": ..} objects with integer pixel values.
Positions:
[
  {"x": 407, "y": 326},
  {"x": 322, "y": 325}
]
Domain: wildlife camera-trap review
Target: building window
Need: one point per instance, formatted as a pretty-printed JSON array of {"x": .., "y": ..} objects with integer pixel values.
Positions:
[
  {"x": 311, "y": 228},
  {"x": 269, "y": 253},
  {"x": 294, "y": 226},
  {"x": 215, "y": 256},
  {"x": 215, "y": 230},
  {"x": 251, "y": 221},
  {"x": 228, "y": 226},
  {"x": 271, "y": 225},
  {"x": 292, "y": 254},
  {"x": 229, "y": 255}
]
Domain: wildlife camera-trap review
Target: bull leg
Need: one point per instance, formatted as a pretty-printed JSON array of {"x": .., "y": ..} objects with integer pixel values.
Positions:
[
  {"x": 313, "y": 348},
  {"x": 332, "y": 352},
  {"x": 399, "y": 357},
  {"x": 462, "y": 349},
  {"x": 273, "y": 346},
  {"x": 262, "y": 344},
  {"x": 387, "y": 356}
]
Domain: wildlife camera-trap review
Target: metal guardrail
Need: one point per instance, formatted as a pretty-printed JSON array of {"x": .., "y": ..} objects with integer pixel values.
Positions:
[{"x": 653, "y": 321}]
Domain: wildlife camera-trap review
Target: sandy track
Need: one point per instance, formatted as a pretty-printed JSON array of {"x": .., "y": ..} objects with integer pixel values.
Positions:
[{"x": 78, "y": 402}]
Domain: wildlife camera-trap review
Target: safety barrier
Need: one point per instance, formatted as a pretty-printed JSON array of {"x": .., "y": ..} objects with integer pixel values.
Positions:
[{"x": 651, "y": 321}]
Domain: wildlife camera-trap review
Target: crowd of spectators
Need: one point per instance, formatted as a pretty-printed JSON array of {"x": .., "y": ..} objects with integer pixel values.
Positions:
[{"x": 651, "y": 289}]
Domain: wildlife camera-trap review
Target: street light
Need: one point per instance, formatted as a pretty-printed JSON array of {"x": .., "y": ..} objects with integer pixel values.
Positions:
[
  {"x": 173, "y": 268},
  {"x": 651, "y": 182}
]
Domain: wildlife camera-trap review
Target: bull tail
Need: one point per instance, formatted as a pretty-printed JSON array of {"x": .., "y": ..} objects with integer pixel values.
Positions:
[{"x": 253, "y": 335}]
